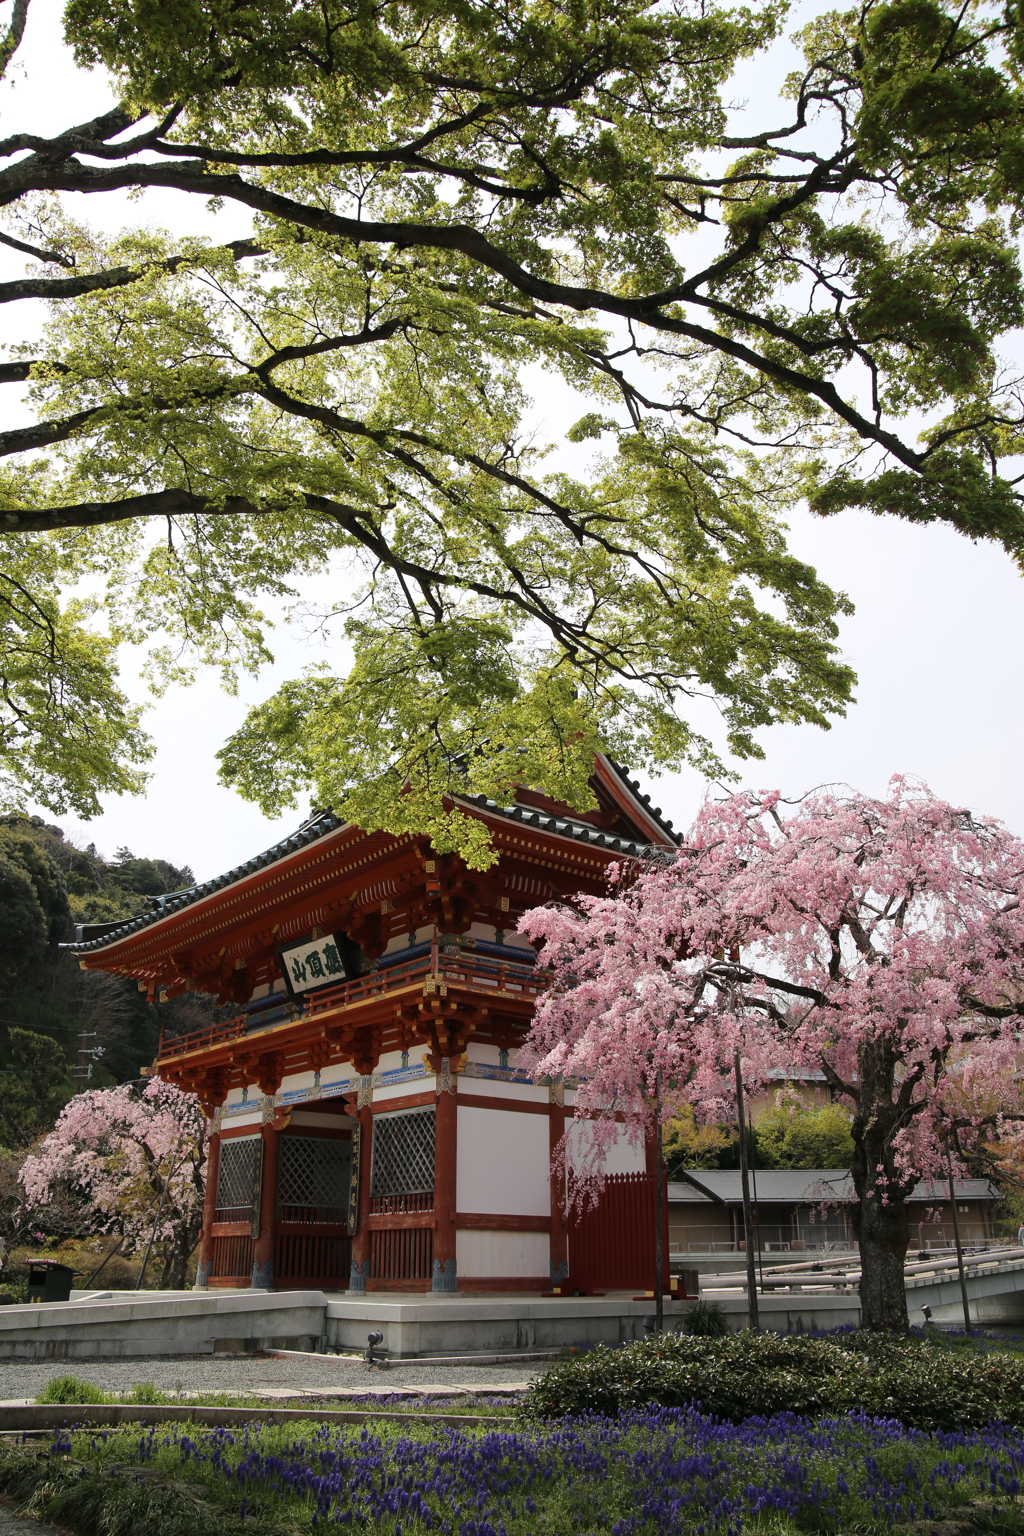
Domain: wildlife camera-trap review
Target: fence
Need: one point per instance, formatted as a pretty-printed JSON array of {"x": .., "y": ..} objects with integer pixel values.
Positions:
[{"x": 612, "y": 1247}]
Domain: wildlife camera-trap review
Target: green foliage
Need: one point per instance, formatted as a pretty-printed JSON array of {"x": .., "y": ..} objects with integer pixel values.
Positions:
[
  {"x": 796, "y": 1135},
  {"x": 746, "y": 1374},
  {"x": 71, "y": 1389},
  {"x": 35, "y": 1084},
  {"x": 67, "y": 732},
  {"x": 705, "y": 1320},
  {"x": 23, "y": 927},
  {"x": 443, "y": 204},
  {"x": 685, "y": 1144},
  {"x": 45, "y": 883}
]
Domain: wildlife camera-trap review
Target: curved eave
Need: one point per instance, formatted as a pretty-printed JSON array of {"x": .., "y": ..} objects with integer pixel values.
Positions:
[
  {"x": 563, "y": 828},
  {"x": 244, "y": 877}
]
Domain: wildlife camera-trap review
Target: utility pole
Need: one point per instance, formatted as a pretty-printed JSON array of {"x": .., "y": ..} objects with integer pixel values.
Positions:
[
  {"x": 753, "y": 1321},
  {"x": 956, "y": 1239},
  {"x": 83, "y": 1071}
]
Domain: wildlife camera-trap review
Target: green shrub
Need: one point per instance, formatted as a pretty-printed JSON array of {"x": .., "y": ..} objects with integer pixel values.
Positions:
[
  {"x": 70, "y": 1389},
  {"x": 751, "y": 1375},
  {"x": 145, "y": 1392},
  {"x": 705, "y": 1320}
]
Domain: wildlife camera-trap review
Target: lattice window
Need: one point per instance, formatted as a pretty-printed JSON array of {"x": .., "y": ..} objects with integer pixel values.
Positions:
[
  {"x": 314, "y": 1175},
  {"x": 238, "y": 1173},
  {"x": 403, "y": 1153}
]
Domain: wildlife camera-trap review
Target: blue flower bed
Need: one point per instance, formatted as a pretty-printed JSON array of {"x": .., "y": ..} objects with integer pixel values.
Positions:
[{"x": 654, "y": 1471}]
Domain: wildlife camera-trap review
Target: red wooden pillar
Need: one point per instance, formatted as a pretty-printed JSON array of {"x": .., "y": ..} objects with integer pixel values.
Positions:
[
  {"x": 263, "y": 1252},
  {"x": 204, "y": 1268},
  {"x": 444, "y": 1274},
  {"x": 359, "y": 1270},
  {"x": 559, "y": 1262}
]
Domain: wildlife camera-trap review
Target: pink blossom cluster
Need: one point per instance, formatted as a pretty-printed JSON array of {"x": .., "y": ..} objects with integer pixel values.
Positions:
[
  {"x": 116, "y": 1148},
  {"x": 834, "y": 933}
]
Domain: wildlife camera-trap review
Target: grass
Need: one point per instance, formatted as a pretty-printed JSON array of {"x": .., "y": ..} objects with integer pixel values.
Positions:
[
  {"x": 656, "y": 1472},
  {"x": 74, "y": 1391}
]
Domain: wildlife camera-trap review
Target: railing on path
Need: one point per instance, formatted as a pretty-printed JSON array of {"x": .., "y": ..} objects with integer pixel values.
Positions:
[{"x": 815, "y": 1277}]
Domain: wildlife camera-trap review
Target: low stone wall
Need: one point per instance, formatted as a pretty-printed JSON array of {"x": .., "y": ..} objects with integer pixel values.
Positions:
[
  {"x": 162, "y": 1323},
  {"x": 483, "y": 1325},
  {"x": 120, "y": 1324}
]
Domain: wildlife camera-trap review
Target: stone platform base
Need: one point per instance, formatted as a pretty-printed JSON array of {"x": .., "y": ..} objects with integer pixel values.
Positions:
[{"x": 122, "y": 1324}]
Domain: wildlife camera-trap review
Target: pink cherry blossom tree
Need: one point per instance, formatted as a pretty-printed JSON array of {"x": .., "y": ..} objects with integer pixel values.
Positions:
[
  {"x": 135, "y": 1159},
  {"x": 879, "y": 940}
]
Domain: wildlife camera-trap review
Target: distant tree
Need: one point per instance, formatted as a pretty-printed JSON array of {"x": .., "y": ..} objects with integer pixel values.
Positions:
[
  {"x": 880, "y": 942},
  {"x": 23, "y": 925},
  {"x": 46, "y": 877},
  {"x": 798, "y": 1135},
  {"x": 44, "y": 989},
  {"x": 686, "y": 1143},
  {"x": 135, "y": 1159},
  {"x": 35, "y": 1084}
]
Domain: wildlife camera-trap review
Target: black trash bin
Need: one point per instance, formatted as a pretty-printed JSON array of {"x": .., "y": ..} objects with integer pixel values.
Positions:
[{"x": 49, "y": 1281}]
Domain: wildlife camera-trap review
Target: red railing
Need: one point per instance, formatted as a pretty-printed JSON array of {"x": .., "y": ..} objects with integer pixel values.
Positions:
[
  {"x": 405, "y": 1253},
  {"x": 463, "y": 968},
  {"x": 401, "y": 1205},
  {"x": 312, "y": 1257},
  {"x": 232, "y": 1258}
]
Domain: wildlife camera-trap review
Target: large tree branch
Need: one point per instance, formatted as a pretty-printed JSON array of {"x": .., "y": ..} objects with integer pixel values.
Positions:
[
  {"x": 11, "y": 41},
  {"x": 115, "y": 277},
  {"x": 38, "y": 174}
]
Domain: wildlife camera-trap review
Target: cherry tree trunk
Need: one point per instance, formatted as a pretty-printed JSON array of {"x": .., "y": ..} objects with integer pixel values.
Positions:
[{"x": 880, "y": 1213}]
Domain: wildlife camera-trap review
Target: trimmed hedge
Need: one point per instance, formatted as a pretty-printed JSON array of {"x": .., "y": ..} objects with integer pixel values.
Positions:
[{"x": 924, "y": 1386}]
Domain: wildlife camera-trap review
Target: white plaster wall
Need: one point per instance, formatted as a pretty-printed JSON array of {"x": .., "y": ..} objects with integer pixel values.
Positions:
[
  {"x": 392, "y": 1060},
  {"x": 502, "y": 1164},
  {"x": 497, "y": 1088},
  {"x": 518, "y": 940},
  {"x": 479, "y": 1050},
  {"x": 621, "y": 1158},
  {"x": 413, "y": 1085},
  {"x": 295, "y": 1081},
  {"x": 244, "y": 1122},
  {"x": 510, "y": 1255}
]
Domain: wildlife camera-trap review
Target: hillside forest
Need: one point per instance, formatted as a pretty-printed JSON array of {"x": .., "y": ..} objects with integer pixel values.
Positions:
[{"x": 63, "y": 1029}]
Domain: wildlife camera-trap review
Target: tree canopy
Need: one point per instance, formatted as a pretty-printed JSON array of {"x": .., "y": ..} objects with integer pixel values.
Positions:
[
  {"x": 428, "y": 207},
  {"x": 879, "y": 942},
  {"x": 46, "y": 884},
  {"x": 133, "y": 1161}
]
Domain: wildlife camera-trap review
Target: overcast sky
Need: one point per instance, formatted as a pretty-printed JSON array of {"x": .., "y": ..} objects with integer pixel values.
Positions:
[{"x": 936, "y": 639}]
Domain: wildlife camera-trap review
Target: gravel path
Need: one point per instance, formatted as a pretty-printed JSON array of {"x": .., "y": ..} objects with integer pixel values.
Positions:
[{"x": 197, "y": 1373}]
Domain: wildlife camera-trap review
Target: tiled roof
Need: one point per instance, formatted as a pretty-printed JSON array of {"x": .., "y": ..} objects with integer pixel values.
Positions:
[
  {"x": 317, "y": 826},
  {"x": 566, "y": 826},
  {"x": 323, "y": 822}
]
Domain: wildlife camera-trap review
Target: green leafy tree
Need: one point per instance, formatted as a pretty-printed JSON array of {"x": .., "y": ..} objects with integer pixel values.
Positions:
[
  {"x": 685, "y": 1144},
  {"x": 23, "y": 926},
  {"x": 35, "y": 1084},
  {"x": 798, "y": 1135},
  {"x": 45, "y": 882},
  {"x": 428, "y": 203}
]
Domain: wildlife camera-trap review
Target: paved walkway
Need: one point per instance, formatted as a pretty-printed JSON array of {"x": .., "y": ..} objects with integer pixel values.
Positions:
[
  {"x": 315, "y": 1375},
  {"x": 24, "y": 1525}
]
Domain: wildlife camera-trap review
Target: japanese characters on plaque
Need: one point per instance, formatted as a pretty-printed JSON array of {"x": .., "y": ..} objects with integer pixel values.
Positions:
[{"x": 317, "y": 963}]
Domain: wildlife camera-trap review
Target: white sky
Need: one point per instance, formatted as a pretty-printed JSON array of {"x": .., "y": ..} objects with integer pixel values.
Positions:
[{"x": 937, "y": 638}]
